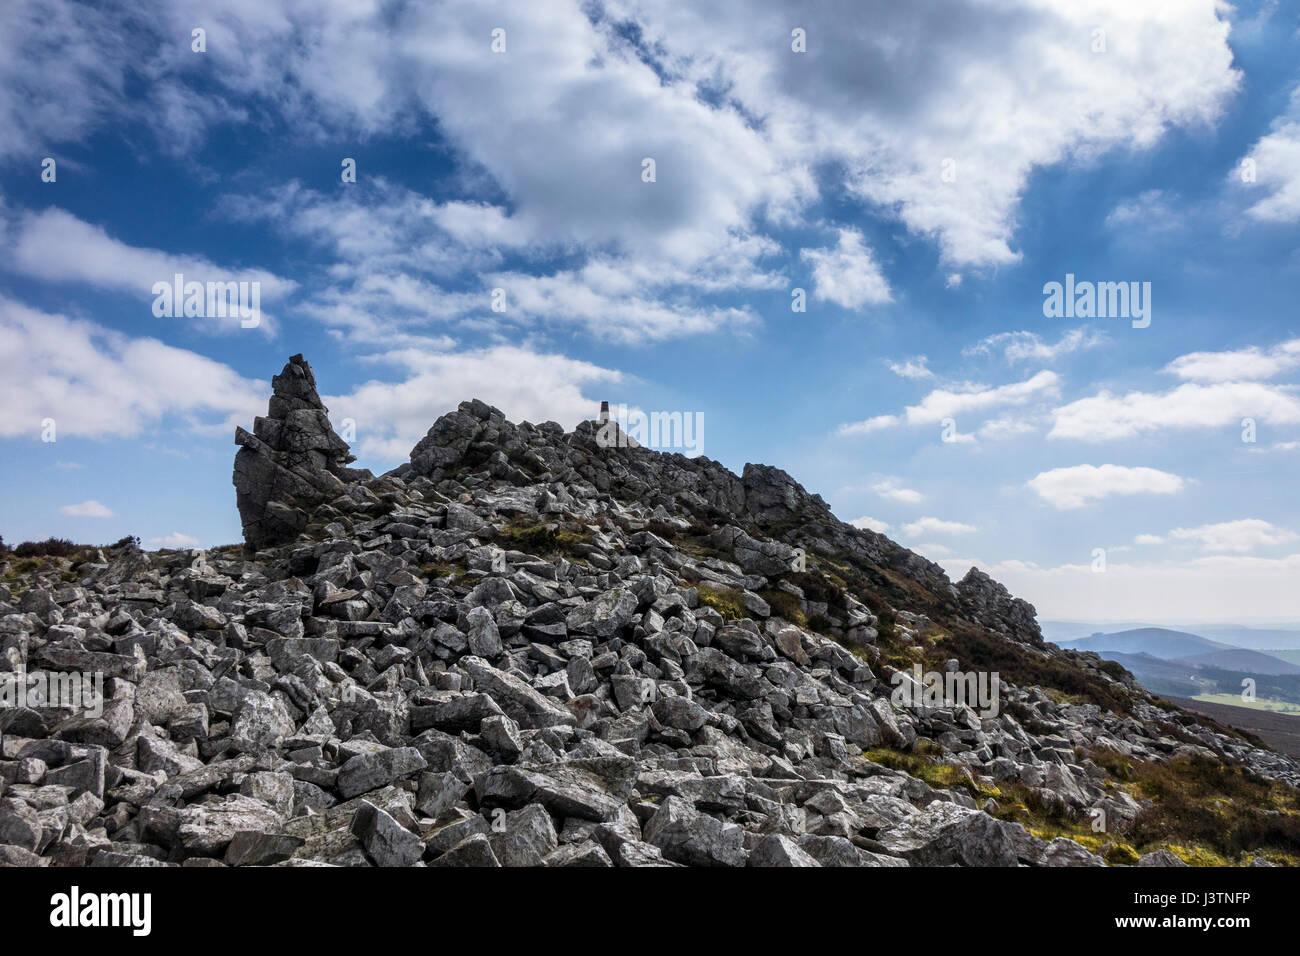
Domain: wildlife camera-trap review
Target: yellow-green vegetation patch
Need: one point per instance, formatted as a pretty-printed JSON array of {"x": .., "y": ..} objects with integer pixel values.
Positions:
[
  {"x": 444, "y": 569},
  {"x": 1205, "y": 812},
  {"x": 924, "y": 764},
  {"x": 726, "y": 601},
  {"x": 545, "y": 538},
  {"x": 1214, "y": 810}
]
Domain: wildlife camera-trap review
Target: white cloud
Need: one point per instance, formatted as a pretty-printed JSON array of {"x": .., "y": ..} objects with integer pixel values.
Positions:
[
  {"x": 56, "y": 246},
  {"x": 735, "y": 122},
  {"x": 1105, "y": 416},
  {"x": 1028, "y": 347},
  {"x": 999, "y": 90},
  {"x": 868, "y": 523},
  {"x": 891, "y": 489},
  {"x": 1238, "y": 365},
  {"x": 949, "y": 403},
  {"x": 848, "y": 274},
  {"x": 98, "y": 383},
  {"x": 1151, "y": 211},
  {"x": 1148, "y": 539},
  {"x": 397, "y": 250},
  {"x": 598, "y": 298},
  {"x": 999, "y": 429},
  {"x": 912, "y": 368},
  {"x": 1276, "y": 159},
  {"x": 176, "y": 540},
  {"x": 928, "y": 525},
  {"x": 869, "y": 425},
  {"x": 88, "y": 509},
  {"x": 56, "y": 84},
  {"x": 1246, "y": 534},
  {"x": 1076, "y": 486}
]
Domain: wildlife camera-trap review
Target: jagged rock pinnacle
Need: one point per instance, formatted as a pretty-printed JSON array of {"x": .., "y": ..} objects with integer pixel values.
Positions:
[{"x": 291, "y": 463}]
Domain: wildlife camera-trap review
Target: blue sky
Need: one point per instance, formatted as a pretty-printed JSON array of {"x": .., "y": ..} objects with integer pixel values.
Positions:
[{"x": 919, "y": 173}]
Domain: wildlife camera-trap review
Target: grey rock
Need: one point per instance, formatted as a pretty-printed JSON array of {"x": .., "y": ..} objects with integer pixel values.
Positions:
[
  {"x": 370, "y": 771},
  {"x": 685, "y": 835},
  {"x": 386, "y": 841}
]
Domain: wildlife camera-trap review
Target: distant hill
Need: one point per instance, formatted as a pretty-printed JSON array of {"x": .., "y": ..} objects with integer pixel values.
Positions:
[
  {"x": 1156, "y": 641},
  {"x": 1247, "y": 662},
  {"x": 1063, "y": 632},
  {"x": 1255, "y": 638}
]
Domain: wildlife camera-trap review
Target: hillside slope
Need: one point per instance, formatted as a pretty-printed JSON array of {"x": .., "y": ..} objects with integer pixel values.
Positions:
[{"x": 533, "y": 647}]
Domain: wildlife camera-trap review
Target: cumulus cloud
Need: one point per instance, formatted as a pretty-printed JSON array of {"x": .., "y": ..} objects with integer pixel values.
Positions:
[
  {"x": 869, "y": 425},
  {"x": 929, "y": 525},
  {"x": 847, "y": 274},
  {"x": 948, "y": 132},
  {"x": 912, "y": 368},
  {"x": 943, "y": 136},
  {"x": 54, "y": 245},
  {"x": 1105, "y": 416},
  {"x": 1027, "y": 346},
  {"x": 1237, "y": 365},
  {"x": 1244, "y": 535},
  {"x": 891, "y": 488},
  {"x": 950, "y": 402},
  {"x": 98, "y": 383},
  {"x": 88, "y": 509},
  {"x": 404, "y": 264},
  {"x": 1000, "y": 429},
  {"x": 1275, "y": 160},
  {"x": 598, "y": 298},
  {"x": 867, "y": 523},
  {"x": 1076, "y": 486}
]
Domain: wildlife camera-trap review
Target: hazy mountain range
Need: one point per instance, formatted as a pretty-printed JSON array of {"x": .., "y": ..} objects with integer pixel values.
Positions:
[{"x": 1182, "y": 662}]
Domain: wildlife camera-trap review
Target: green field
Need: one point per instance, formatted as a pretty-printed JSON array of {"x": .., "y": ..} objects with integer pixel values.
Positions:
[{"x": 1261, "y": 703}]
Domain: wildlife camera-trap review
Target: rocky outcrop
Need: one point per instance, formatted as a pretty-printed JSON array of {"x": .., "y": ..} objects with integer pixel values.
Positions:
[
  {"x": 291, "y": 463},
  {"x": 525, "y": 648},
  {"x": 991, "y": 604}
]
